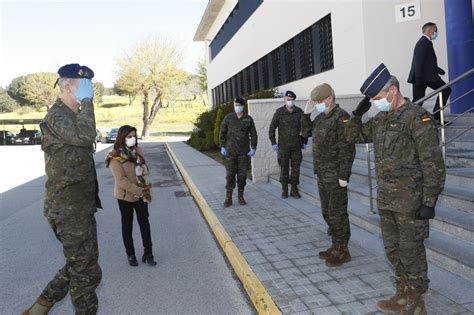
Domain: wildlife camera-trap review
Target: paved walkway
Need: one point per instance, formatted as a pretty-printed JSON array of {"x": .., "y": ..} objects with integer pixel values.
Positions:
[
  {"x": 280, "y": 240},
  {"x": 192, "y": 275}
]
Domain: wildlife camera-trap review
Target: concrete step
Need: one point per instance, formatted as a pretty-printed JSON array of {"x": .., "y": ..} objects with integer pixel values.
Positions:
[
  {"x": 449, "y": 220},
  {"x": 459, "y": 158},
  {"x": 461, "y": 144},
  {"x": 455, "y": 195},
  {"x": 466, "y": 120},
  {"x": 445, "y": 250},
  {"x": 453, "y": 131}
]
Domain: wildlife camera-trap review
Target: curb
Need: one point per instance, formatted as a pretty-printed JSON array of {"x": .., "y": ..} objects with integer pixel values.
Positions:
[{"x": 257, "y": 293}]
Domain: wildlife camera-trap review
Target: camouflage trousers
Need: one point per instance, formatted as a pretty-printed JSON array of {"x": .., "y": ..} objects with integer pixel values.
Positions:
[
  {"x": 334, "y": 208},
  {"x": 236, "y": 165},
  {"x": 75, "y": 227},
  {"x": 285, "y": 159},
  {"x": 403, "y": 239}
]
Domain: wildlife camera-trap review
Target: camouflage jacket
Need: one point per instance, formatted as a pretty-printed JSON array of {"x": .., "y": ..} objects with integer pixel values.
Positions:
[
  {"x": 238, "y": 134},
  {"x": 289, "y": 128},
  {"x": 68, "y": 146},
  {"x": 409, "y": 164},
  {"x": 332, "y": 154}
]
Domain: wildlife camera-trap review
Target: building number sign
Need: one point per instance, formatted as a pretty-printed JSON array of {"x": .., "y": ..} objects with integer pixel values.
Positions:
[{"x": 407, "y": 11}]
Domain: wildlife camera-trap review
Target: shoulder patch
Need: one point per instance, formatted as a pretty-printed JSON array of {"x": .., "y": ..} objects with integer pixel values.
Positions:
[{"x": 426, "y": 119}]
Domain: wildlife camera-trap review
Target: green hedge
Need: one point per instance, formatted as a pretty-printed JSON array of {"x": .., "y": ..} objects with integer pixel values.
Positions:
[{"x": 205, "y": 136}]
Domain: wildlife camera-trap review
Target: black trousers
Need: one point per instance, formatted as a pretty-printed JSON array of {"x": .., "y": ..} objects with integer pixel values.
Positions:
[
  {"x": 141, "y": 208},
  {"x": 419, "y": 90}
]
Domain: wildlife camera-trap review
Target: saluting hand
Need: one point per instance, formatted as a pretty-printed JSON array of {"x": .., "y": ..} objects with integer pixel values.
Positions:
[
  {"x": 363, "y": 107},
  {"x": 85, "y": 90},
  {"x": 309, "y": 107}
]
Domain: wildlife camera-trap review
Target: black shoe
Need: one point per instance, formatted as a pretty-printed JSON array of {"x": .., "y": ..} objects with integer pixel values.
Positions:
[
  {"x": 148, "y": 259},
  {"x": 132, "y": 261}
]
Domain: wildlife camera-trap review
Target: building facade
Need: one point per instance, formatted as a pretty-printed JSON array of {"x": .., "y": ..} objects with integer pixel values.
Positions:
[{"x": 259, "y": 44}]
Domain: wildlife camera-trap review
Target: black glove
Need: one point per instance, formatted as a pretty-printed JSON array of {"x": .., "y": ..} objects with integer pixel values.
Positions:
[
  {"x": 425, "y": 212},
  {"x": 441, "y": 71},
  {"x": 363, "y": 107}
]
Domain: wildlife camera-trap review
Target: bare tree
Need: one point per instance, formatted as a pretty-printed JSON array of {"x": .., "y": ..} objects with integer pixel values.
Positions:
[{"x": 153, "y": 65}]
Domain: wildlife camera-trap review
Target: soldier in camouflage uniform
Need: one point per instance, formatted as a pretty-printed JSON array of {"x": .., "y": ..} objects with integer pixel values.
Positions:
[
  {"x": 410, "y": 175},
  {"x": 237, "y": 131},
  {"x": 71, "y": 192},
  {"x": 288, "y": 121},
  {"x": 332, "y": 158}
]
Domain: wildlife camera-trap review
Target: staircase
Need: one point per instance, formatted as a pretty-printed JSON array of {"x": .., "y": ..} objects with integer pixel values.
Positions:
[{"x": 451, "y": 242}]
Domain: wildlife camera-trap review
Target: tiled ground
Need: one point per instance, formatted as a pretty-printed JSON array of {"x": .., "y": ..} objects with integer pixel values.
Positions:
[{"x": 281, "y": 240}]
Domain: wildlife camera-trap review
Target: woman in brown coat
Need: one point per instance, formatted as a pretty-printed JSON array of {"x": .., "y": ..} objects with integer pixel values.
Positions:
[{"x": 132, "y": 190}]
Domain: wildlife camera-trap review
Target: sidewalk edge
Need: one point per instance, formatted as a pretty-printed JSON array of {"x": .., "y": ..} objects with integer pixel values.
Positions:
[{"x": 257, "y": 293}]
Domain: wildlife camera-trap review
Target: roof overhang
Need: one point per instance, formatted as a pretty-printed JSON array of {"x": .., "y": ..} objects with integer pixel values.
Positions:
[{"x": 212, "y": 11}]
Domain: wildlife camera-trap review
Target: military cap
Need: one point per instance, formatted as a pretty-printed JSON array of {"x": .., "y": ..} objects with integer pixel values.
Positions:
[
  {"x": 290, "y": 94},
  {"x": 239, "y": 100},
  {"x": 74, "y": 71},
  {"x": 376, "y": 81},
  {"x": 321, "y": 92}
]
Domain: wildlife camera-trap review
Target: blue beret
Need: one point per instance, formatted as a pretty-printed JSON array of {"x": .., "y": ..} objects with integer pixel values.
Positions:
[
  {"x": 75, "y": 71},
  {"x": 239, "y": 100},
  {"x": 290, "y": 94},
  {"x": 376, "y": 81}
]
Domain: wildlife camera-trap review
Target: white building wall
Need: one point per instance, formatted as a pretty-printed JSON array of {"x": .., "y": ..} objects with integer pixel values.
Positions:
[{"x": 364, "y": 34}]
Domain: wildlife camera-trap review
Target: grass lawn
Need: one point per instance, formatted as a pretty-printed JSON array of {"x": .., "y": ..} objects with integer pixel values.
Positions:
[{"x": 114, "y": 111}]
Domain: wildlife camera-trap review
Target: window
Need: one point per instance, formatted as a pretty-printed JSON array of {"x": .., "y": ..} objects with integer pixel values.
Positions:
[
  {"x": 276, "y": 68},
  {"x": 309, "y": 52},
  {"x": 239, "y": 15},
  {"x": 289, "y": 61},
  {"x": 305, "y": 42}
]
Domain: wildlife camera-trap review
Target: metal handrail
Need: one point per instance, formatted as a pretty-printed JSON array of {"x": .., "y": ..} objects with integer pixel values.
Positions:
[
  {"x": 444, "y": 87},
  {"x": 458, "y": 116},
  {"x": 457, "y": 136},
  {"x": 452, "y": 102}
]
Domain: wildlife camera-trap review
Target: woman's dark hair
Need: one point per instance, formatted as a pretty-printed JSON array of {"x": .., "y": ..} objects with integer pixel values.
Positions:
[{"x": 121, "y": 135}]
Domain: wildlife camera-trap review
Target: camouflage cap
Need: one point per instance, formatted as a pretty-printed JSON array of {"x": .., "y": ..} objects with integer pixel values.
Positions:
[{"x": 321, "y": 92}]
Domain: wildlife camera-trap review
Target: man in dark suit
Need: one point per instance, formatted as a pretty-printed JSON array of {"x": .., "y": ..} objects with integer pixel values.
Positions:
[{"x": 424, "y": 68}]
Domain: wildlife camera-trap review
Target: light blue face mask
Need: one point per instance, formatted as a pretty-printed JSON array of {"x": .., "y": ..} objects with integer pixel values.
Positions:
[
  {"x": 383, "y": 105},
  {"x": 290, "y": 103},
  {"x": 321, "y": 107},
  {"x": 434, "y": 36},
  {"x": 238, "y": 109}
]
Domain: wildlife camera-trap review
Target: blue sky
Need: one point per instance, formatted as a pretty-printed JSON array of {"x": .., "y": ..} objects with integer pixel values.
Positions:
[{"x": 43, "y": 35}]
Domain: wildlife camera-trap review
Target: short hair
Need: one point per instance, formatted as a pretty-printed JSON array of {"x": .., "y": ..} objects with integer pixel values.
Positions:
[
  {"x": 63, "y": 82},
  {"x": 120, "y": 141},
  {"x": 427, "y": 26},
  {"x": 392, "y": 81}
]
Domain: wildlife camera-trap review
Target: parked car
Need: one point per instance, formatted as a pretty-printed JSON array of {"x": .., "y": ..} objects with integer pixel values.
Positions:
[
  {"x": 27, "y": 137},
  {"x": 6, "y": 137},
  {"x": 111, "y": 135},
  {"x": 99, "y": 137}
]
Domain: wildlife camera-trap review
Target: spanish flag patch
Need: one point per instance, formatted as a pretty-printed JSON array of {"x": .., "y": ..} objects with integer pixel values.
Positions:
[
  {"x": 344, "y": 120},
  {"x": 426, "y": 119}
]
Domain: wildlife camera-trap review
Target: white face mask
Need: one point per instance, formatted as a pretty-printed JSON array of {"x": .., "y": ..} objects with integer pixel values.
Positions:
[
  {"x": 238, "y": 109},
  {"x": 130, "y": 142},
  {"x": 290, "y": 103}
]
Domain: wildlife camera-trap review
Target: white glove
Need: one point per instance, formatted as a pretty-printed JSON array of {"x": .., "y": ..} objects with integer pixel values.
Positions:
[
  {"x": 309, "y": 107},
  {"x": 343, "y": 183}
]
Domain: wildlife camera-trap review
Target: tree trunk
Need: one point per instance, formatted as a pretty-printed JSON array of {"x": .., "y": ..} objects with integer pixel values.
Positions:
[{"x": 146, "y": 120}]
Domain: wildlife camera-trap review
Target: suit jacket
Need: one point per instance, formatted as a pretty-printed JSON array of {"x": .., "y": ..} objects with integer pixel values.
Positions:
[{"x": 424, "y": 65}]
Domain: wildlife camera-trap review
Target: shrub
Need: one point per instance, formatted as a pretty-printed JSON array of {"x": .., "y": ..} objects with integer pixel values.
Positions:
[{"x": 205, "y": 136}]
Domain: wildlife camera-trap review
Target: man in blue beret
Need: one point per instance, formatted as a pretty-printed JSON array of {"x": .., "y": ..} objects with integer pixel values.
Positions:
[
  {"x": 287, "y": 119},
  {"x": 71, "y": 200},
  {"x": 410, "y": 176}
]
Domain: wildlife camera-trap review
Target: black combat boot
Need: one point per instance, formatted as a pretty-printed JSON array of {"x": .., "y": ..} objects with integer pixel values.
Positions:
[
  {"x": 228, "y": 198},
  {"x": 294, "y": 192},
  {"x": 241, "y": 197},
  {"x": 149, "y": 259},
  {"x": 284, "y": 191}
]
